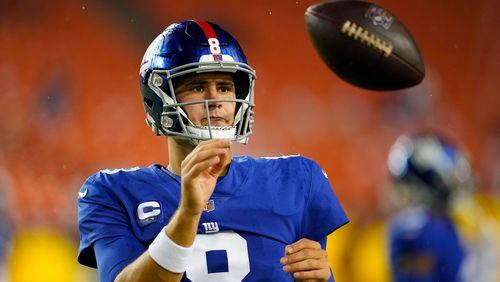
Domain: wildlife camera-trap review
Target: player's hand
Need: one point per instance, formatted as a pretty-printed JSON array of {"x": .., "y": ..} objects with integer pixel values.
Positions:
[
  {"x": 199, "y": 172},
  {"x": 305, "y": 260}
]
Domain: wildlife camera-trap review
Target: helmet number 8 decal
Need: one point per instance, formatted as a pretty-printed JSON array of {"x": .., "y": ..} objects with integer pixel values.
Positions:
[
  {"x": 214, "y": 45},
  {"x": 219, "y": 257}
]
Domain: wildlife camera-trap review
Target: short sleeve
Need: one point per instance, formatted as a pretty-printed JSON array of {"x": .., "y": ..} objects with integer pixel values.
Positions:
[
  {"x": 324, "y": 213},
  {"x": 106, "y": 241}
]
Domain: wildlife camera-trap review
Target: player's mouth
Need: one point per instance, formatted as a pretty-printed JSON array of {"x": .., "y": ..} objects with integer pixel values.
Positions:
[{"x": 214, "y": 121}]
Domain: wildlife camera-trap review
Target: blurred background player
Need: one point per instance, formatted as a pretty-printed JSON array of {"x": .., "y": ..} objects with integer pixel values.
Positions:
[
  {"x": 424, "y": 242},
  {"x": 439, "y": 233}
]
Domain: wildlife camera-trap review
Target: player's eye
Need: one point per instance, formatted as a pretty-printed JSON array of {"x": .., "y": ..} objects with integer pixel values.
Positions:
[
  {"x": 197, "y": 88},
  {"x": 225, "y": 89}
]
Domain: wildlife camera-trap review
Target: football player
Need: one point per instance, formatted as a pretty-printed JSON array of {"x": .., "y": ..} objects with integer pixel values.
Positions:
[
  {"x": 207, "y": 215},
  {"x": 424, "y": 242}
]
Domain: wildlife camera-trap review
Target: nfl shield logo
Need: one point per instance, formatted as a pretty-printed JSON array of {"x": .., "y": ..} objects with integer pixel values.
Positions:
[
  {"x": 379, "y": 16},
  {"x": 209, "y": 206}
]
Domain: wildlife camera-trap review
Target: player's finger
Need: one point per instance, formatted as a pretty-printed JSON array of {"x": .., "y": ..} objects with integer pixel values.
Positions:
[
  {"x": 303, "y": 255},
  {"x": 207, "y": 145},
  {"x": 202, "y": 166},
  {"x": 201, "y": 156},
  {"x": 306, "y": 265},
  {"x": 312, "y": 275},
  {"x": 214, "y": 143},
  {"x": 302, "y": 244},
  {"x": 217, "y": 169}
]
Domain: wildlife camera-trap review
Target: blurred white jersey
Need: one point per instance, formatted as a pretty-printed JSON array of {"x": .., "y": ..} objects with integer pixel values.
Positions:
[{"x": 480, "y": 232}]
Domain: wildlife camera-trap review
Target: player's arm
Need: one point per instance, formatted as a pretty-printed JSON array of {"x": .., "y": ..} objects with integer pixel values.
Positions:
[
  {"x": 181, "y": 230},
  {"x": 306, "y": 260},
  {"x": 199, "y": 171}
]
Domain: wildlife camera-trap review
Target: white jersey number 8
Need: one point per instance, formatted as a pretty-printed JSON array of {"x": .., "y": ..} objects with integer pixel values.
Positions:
[
  {"x": 236, "y": 249},
  {"x": 214, "y": 46}
]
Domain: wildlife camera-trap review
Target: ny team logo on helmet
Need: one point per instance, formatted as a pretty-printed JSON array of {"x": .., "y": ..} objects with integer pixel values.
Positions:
[{"x": 192, "y": 47}]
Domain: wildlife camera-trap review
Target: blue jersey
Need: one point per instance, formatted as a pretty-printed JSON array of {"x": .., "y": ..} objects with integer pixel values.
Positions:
[
  {"x": 258, "y": 208},
  {"x": 416, "y": 232}
]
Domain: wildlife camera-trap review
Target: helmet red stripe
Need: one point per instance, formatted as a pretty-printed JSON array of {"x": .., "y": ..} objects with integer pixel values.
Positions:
[{"x": 207, "y": 29}]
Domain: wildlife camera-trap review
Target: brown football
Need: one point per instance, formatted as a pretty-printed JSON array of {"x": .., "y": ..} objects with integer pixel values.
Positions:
[{"x": 365, "y": 45}]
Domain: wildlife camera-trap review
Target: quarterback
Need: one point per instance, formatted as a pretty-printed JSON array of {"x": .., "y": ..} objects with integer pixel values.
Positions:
[{"x": 207, "y": 215}]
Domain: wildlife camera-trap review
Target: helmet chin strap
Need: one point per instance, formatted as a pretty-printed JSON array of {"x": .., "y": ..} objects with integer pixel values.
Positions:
[{"x": 218, "y": 132}]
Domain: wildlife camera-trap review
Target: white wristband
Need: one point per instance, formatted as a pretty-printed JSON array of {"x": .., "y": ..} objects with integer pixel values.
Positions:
[{"x": 168, "y": 254}]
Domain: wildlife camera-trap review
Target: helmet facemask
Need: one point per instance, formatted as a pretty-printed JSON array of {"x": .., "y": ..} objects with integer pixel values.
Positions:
[{"x": 176, "y": 123}]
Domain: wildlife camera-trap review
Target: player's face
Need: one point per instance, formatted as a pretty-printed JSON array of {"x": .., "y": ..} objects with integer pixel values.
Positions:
[{"x": 207, "y": 86}]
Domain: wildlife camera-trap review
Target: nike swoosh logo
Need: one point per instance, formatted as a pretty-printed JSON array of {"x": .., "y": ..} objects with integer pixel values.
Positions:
[{"x": 83, "y": 194}]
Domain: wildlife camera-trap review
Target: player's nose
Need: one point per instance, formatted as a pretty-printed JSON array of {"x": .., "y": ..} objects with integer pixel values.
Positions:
[{"x": 212, "y": 94}]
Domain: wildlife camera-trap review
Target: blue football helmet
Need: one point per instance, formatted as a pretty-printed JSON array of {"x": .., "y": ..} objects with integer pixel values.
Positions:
[
  {"x": 187, "y": 48},
  {"x": 430, "y": 167}
]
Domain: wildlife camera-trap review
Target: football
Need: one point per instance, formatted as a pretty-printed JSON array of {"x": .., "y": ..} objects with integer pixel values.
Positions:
[{"x": 365, "y": 45}]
